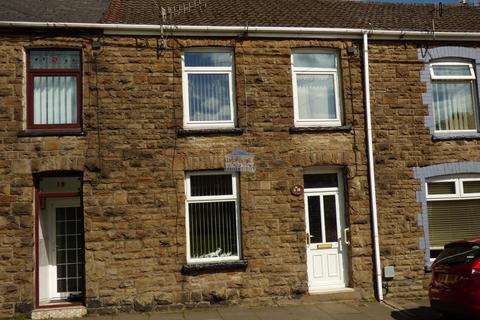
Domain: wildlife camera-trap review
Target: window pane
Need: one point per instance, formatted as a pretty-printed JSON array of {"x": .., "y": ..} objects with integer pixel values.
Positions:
[
  {"x": 441, "y": 188},
  {"x": 61, "y": 285},
  {"x": 314, "y": 219},
  {"x": 315, "y": 60},
  {"x": 459, "y": 254},
  {"x": 211, "y": 185},
  {"x": 209, "y": 97},
  {"x": 316, "y": 96},
  {"x": 453, "y": 220},
  {"x": 213, "y": 229},
  {"x": 451, "y": 70},
  {"x": 208, "y": 59},
  {"x": 324, "y": 180},
  {"x": 453, "y": 104},
  {"x": 54, "y": 100},
  {"x": 55, "y": 59},
  {"x": 471, "y": 186},
  {"x": 330, "y": 212}
]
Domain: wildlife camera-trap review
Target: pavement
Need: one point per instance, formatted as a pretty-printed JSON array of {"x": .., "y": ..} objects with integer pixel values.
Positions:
[{"x": 338, "y": 310}]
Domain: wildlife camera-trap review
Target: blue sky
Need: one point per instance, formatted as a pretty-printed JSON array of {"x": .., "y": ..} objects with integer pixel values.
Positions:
[{"x": 419, "y": 1}]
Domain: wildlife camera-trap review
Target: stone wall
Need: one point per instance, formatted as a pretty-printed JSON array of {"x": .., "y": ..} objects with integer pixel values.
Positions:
[
  {"x": 134, "y": 164},
  {"x": 403, "y": 142}
]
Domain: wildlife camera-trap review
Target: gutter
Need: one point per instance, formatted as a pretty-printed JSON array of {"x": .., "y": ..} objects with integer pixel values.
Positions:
[
  {"x": 371, "y": 171},
  {"x": 242, "y": 31}
]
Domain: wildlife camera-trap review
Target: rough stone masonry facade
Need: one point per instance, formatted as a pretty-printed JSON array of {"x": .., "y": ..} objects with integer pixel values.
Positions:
[
  {"x": 404, "y": 145},
  {"x": 133, "y": 164}
]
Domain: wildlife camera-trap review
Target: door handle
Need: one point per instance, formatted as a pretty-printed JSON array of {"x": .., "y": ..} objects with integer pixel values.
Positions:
[
  {"x": 308, "y": 238},
  {"x": 345, "y": 237}
]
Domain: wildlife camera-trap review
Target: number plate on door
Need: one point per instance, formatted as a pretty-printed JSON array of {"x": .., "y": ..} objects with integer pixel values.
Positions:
[{"x": 324, "y": 246}]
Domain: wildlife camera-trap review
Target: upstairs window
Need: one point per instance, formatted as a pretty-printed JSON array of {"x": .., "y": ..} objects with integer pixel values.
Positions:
[
  {"x": 212, "y": 217},
  {"x": 208, "y": 88},
  {"x": 454, "y": 96},
  {"x": 316, "y": 88},
  {"x": 453, "y": 205},
  {"x": 54, "y": 87}
]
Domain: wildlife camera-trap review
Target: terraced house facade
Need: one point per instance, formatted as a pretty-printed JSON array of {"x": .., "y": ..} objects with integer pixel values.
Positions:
[{"x": 162, "y": 154}]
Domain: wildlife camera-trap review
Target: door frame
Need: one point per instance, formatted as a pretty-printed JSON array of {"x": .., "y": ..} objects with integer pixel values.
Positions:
[
  {"x": 39, "y": 195},
  {"x": 342, "y": 222}
]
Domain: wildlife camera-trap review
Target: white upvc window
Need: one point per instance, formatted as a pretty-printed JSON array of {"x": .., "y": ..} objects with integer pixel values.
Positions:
[
  {"x": 208, "y": 88},
  {"x": 453, "y": 205},
  {"x": 316, "y": 88},
  {"x": 212, "y": 217},
  {"x": 454, "y": 90}
]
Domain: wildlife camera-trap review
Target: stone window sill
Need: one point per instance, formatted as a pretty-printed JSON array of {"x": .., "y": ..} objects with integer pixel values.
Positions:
[
  {"x": 345, "y": 128},
  {"x": 50, "y": 133},
  {"x": 198, "y": 268},
  {"x": 72, "y": 311},
  {"x": 209, "y": 132},
  {"x": 456, "y": 136}
]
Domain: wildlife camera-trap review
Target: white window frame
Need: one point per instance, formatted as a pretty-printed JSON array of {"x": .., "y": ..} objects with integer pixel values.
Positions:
[
  {"x": 199, "y": 199},
  {"x": 316, "y": 71},
  {"x": 459, "y": 192},
  {"x": 458, "y": 195},
  {"x": 187, "y": 123},
  {"x": 471, "y": 77},
  {"x": 452, "y": 63}
]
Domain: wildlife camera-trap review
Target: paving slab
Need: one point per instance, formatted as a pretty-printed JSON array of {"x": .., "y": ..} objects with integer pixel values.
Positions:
[
  {"x": 163, "y": 316},
  {"x": 352, "y": 310},
  {"x": 293, "y": 313},
  {"x": 208, "y": 314},
  {"x": 238, "y": 313}
]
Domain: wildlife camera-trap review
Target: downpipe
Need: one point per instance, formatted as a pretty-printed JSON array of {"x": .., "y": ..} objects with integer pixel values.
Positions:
[{"x": 371, "y": 171}]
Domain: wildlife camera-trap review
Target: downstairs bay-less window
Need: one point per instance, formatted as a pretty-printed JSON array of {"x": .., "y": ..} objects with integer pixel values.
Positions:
[
  {"x": 454, "y": 96},
  {"x": 53, "y": 89},
  {"x": 316, "y": 88},
  {"x": 212, "y": 217},
  {"x": 453, "y": 205},
  {"x": 208, "y": 88}
]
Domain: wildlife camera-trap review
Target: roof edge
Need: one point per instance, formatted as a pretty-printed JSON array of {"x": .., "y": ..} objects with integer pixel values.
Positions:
[{"x": 249, "y": 31}]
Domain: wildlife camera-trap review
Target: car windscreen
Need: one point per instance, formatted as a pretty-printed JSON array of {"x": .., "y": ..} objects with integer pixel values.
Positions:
[{"x": 459, "y": 254}]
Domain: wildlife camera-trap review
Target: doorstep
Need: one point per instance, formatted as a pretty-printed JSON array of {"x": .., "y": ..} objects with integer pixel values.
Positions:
[
  {"x": 340, "y": 294},
  {"x": 60, "y": 312}
]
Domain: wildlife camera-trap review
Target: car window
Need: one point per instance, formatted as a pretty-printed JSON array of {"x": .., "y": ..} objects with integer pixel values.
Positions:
[{"x": 460, "y": 254}]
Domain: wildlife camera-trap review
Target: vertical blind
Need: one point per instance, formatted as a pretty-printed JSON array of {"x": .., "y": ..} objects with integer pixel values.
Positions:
[
  {"x": 209, "y": 97},
  {"x": 454, "y": 105},
  {"x": 213, "y": 229},
  {"x": 212, "y": 222},
  {"x": 55, "y": 100}
]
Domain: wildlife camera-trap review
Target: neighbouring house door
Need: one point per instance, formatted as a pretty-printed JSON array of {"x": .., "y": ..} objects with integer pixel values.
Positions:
[
  {"x": 60, "y": 242},
  {"x": 326, "y": 232},
  {"x": 60, "y": 250}
]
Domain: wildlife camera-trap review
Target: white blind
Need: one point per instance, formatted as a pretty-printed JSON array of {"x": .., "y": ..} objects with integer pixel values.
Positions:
[
  {"x": 55, "y": 100},
  {"x": 316, "y": 96},
  {"x": 453, "y": 220}
]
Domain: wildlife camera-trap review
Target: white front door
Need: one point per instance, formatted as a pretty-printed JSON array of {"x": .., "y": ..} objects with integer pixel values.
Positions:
[
  {"x": 60, "y": 249},
  {"x": 325, "y": 227}
]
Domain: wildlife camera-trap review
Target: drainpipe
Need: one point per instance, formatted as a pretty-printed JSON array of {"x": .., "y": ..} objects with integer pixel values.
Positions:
[{"x": 371, "y": 171}]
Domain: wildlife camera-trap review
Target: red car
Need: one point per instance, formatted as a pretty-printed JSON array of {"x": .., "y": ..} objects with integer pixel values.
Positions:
[{"x": 455, "y": 286}]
